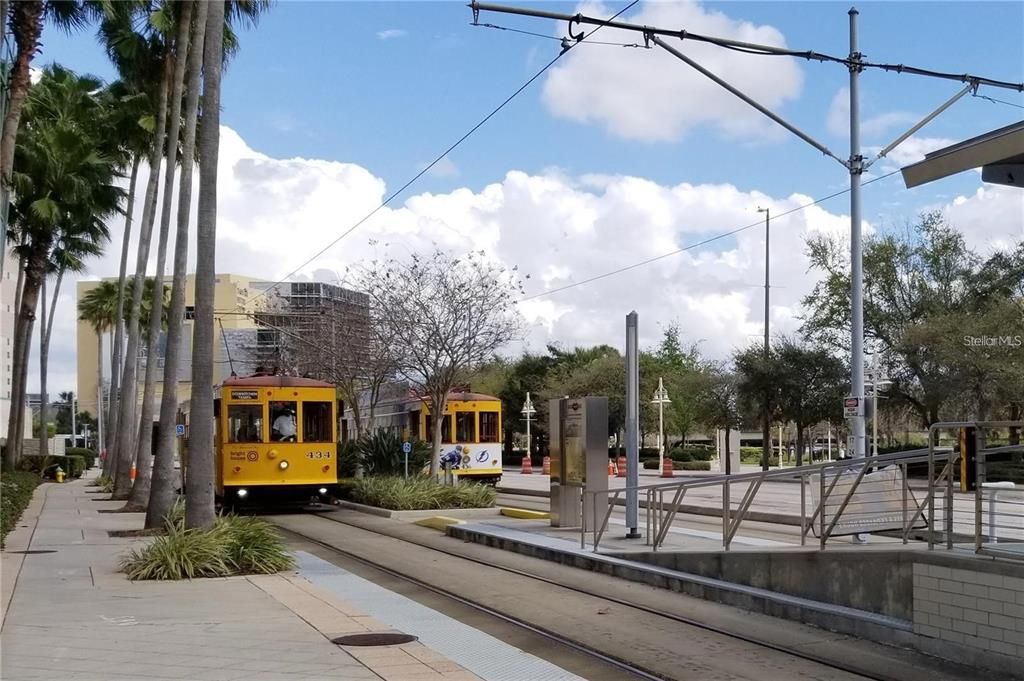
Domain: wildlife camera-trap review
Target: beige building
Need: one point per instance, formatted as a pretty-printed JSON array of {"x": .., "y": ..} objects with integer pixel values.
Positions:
[
  {"x": 7, "y": 314},
  {"x": 231, "y": 307}
]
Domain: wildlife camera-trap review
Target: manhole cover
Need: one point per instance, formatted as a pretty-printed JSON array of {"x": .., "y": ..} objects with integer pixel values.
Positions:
[
  {"x": 35, "y": 551},
  {"x": 373, "y": 639}
]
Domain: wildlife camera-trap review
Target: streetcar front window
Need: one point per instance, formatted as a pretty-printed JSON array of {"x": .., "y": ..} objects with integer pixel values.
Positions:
[
  {"x": 465, "y": 426},
  {"x": 488, "y": 426},
  {"x": 316, "y": 422},
  {"x": 282, "y": 421},
  {"x": 245, "y": 423}
]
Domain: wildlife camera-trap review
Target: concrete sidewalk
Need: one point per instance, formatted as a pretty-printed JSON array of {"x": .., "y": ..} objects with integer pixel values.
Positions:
[{"x": 69, "y": 614}]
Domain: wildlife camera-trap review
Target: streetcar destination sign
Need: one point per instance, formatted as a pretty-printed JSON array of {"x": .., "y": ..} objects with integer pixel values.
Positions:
[{"x": 245, "y": 394}]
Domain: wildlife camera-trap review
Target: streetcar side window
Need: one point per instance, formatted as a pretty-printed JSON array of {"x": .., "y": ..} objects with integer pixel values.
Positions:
[
  {"x": 245, "y": 423},
  {"x": 282, "y": 421},
  {"x": 465, "y": 426},
  {"x": 414, "y": 424},
  {"x": 488, "y": 426},
  {"x": 446, "y": 429},
  {"x": 316, "y": 422}
]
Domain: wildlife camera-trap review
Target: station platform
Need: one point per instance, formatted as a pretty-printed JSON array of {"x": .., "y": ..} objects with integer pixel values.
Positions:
[{"x": 68, "y": 613}]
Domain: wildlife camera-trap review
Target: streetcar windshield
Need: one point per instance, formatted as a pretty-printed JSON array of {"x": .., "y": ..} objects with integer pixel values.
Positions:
[
  {"x": 316, "y": 422},
  {"x": 245, "y": 423},
  {"x": 465, "y": 426},
  {"x": 488, "y": 426},
  {"x": 282, "y": 421}
]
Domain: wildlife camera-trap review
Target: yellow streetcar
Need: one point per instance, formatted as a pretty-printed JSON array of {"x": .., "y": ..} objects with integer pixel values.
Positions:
[
  {"x": 276, "y": 437},
  {"x": 470, "y": 431}
]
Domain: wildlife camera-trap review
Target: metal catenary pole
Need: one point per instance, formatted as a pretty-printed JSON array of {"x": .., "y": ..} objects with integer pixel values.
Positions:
[
  {"x": 766, "y": 428},
  {"x": 632, "y": 427},
  {"x": 856, "y": 166}
]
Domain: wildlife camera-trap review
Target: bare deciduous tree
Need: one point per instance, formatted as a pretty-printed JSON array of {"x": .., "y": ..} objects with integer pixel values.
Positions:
[{"x": 444, "y": 315}]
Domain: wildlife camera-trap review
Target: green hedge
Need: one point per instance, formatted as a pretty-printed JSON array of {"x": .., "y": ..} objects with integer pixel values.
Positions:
[
  {"x": 691, "y": 454},
  {"x": 87, "y": 454},
  {"x": 46, "y": 466},
  {"x": 652, "y": 465},
  {"x": 414, "y": 494},
  {"x": 15, "y": 494}
]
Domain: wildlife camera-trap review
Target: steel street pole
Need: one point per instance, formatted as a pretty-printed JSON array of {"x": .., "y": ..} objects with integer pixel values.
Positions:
[
  {"x": 766, "y": 431},
  {"x": 856, "y": 165},
  {"x": 632, "y": 427}
]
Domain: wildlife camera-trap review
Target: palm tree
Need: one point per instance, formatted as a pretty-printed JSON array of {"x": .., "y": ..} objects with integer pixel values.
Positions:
[
  {"x": 98, "y": 307},
  {"x": 199, "y": 510},
  {"x": 130, "y": 109},
  {"x": 26, "y": 19},
  {"x": 139, "y": 497},
  {"x": 135, "y": 54},
  {"x": 162, "y": 492},
  {"x": 62, "y": 173},
  {"x": 81, "y": 237}
]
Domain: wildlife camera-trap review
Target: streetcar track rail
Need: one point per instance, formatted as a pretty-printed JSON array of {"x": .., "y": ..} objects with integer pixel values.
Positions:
[{"x": 615, "y": 661}]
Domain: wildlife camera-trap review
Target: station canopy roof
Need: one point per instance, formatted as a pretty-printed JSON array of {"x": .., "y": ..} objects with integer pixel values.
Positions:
[{"x": 999, "y": 154}]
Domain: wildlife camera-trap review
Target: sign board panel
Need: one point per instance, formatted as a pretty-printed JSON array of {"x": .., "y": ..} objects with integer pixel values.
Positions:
[
  {"x": 406, "y": 447},
  {"x": 179, "y": 430},
  {"x": 575, "y": 444},
  {"x": 853, "y": 406},
  {"x": 245, "y": 394}
]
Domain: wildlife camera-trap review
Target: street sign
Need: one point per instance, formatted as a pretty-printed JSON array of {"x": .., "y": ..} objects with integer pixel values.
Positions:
[
  {"x": 853, "y": 407},
  {"x": 179, "y": 429},
  {"x": 406, "y": 447}
]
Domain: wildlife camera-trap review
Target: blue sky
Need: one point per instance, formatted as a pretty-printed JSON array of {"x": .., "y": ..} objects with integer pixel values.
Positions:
[
  {"x": 615, "y": 156},
  {"x": 316, "y": 81}
]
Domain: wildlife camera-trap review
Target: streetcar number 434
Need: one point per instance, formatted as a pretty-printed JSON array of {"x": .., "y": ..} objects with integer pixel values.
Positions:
[{"x": 318, "y": 455}]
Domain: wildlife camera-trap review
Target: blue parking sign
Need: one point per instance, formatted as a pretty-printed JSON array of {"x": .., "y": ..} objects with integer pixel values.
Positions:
[
  {"x": 180, "y": 429},
  {"x": 406, "y": 447}
]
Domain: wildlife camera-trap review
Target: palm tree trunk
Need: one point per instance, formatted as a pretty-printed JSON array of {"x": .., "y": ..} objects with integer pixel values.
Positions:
[
  {"x": 35, "y": 266},
  {"x": 45, "y": 330},
  {"x": 117, "y": 334},
  {"x": 139, "y": 497},
  {"x": 101, "y": 426},
  {"x": 199, "y": 510},
  {"x": 27, "y": 25},
  {"x": 44, "y": 449},
  {"x": 126, "y": 421},
  {"x": 162, "y": 494}
]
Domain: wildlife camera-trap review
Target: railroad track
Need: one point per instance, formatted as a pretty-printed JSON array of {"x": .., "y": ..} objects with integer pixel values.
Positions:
[{"x": 848, "y": 671}]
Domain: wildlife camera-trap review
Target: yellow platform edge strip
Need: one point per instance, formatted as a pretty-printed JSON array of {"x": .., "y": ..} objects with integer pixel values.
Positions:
[
  {"x": 439, "y": 522},
  {"x": 525, "y": 514}
]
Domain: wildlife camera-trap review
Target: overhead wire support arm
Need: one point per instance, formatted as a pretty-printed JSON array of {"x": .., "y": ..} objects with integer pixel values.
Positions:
[
  {"x": 970, "y": 87},
  {"x": 752, "y": 102}
]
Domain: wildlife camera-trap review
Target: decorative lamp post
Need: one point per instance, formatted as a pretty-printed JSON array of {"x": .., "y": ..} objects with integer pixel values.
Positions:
[
  {"x": 528, "y": 412},
  {"x": 661, "y": 399}
]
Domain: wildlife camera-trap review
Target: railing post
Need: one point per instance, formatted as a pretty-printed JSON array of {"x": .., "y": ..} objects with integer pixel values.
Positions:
[
  {"x": 803, "y": 509},
  {"x": 949, "y": 501},
  {"x": 725, "y": 514},
  {"x": 931, "y": 488},
  {"x": 905, "y": 485},
  {"x": 821, "y": 508}
]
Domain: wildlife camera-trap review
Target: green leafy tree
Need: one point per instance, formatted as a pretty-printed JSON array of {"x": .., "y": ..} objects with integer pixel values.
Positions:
[{"x": 812, "y": 384}]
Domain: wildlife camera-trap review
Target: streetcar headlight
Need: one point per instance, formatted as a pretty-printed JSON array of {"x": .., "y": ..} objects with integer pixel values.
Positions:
[
  {"x": 283, "y": 465},
  {"x": 242, "y": 493},
  {"x": 323, "y": 490}
]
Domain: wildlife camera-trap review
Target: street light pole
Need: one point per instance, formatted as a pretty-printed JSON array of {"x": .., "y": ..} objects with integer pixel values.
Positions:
[
  {"x": 766, "y": 432},
  {"x": 661, "y": 399},
  {"x": 528, "y": 412},
  {"x": 856, "y": 166}
]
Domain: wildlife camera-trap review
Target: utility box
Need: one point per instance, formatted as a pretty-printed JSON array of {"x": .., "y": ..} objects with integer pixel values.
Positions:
[
  {"x": 579, "y": 460},
  {"x": 734, "y": 451}
]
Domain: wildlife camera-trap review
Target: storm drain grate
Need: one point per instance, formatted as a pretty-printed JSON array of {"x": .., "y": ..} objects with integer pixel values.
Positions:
[
  {"x": 387, "y": 639},
  {"x": 30, "y": 551}
]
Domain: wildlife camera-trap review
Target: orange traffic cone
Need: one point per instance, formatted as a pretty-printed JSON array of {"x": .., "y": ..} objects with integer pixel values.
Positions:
[
  {"x": 131, "y": 473},
  {"x": 611, "y": 468},
  {"x": 527, "y": 466},
  {"x": 666, "y": 468},
  {"x": 546, "y": 466},
  {"x": 621, "y": 473}
]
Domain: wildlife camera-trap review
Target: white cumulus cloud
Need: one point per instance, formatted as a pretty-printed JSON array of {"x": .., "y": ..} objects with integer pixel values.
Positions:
[
  {"x": 392, "y": 33},
  {"x": 652, "y": 96}
]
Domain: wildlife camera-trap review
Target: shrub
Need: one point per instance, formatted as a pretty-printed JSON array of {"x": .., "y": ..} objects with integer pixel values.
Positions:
[
  {"x": 380, "y": 454},
  {"x": 413, "y": 494},
  {"x": 234, "y": 546},
  {"x": 692, "y": 465},
  {"x": 348, "y": 457},
  {"x": 180, "y": 554},
  {"x": 15, "y": 494},
  {"x": 87, "y": 454},
  {"x": 680, "y": 454},
  {"x": 46, "y": 466},
  {"x": 105, "y": 483}
]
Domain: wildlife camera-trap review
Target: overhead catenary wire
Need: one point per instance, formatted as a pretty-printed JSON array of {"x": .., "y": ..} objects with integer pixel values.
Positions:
[
  {"x": 391, "y": 197},
  {"x": 999, "y": 101},
  {"x": 690, "y": 247},
  {"x": 552, "y": 37}
]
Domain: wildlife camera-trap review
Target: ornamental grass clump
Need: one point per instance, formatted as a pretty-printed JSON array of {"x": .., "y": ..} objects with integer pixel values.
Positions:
[
  {"x": 419, "y": 493},
  {"x": 233, "y": 546}
]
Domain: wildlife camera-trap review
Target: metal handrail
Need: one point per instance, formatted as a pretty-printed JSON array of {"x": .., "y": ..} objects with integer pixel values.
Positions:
[{"x": 660, "y": 514}]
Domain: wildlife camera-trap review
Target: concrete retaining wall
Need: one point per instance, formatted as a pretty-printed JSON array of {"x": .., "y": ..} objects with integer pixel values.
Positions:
[{"x": 875, "y": 581}]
